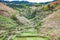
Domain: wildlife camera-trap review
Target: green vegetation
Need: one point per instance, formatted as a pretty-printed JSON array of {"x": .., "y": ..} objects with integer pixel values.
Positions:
[
  {"x": 14, "y": 17},
  {"x": 46, "y": 7},
  {"x": 32, "y": 38},
  {"x": 7, "y": 25},
  {"x": 37, "y": 5},
  {"x": 6, "y": 22},
  {"x": 49, "y": 7},
  {"x": 31, "y": 15}
]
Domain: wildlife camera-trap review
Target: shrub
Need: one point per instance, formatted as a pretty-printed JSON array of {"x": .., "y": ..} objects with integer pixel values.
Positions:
[
  {"x": 14, "y": 17},
  {"x": 45, "y": 7}
]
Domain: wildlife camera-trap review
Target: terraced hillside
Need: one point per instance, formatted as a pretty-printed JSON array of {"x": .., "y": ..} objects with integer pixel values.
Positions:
[{"x": 35, "y": 22}]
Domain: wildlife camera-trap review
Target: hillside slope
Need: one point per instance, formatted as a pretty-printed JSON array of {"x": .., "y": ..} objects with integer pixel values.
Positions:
[
  {"x": 51, "y": 25},
  {"x": 6, "y": 10},
  {"x": 30, "y": 20}
]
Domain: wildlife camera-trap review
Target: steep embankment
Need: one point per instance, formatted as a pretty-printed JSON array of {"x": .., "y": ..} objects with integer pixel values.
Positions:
[
  {"x": 6, "y": 10},
  {"x": 51, "y": 25}
]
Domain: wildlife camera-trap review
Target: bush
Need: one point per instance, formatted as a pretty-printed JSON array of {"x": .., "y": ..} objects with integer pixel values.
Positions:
[
  {"x": 45, "y": 7},
  {"x": 14, "y": 17}
]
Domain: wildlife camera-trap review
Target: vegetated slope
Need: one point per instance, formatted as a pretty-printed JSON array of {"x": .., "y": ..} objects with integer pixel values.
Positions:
[
  {"x": 35, "y": 14},
  {"x": 28, "y": 18},
  {"x": 44, "y": 12},
  {"x": 7, "y": 24},
  {"x": 5, "y": 15},
  {"x": 51, "y": 26},
  {"x": 9, "y": 12},
  {"x": 6, "y": 10},
  {"x": 12, "y": 22}
]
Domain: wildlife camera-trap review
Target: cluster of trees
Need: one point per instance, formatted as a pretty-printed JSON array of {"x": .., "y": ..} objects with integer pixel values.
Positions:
[{"x": 49, "y": 6}]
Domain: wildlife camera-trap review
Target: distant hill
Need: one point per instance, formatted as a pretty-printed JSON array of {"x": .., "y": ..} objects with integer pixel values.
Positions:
[
  {"x": 16, "y": 2},
  {"x": 22, "y": 2}
]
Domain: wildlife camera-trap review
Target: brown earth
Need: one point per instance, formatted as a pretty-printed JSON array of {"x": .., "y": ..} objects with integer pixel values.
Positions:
[
  {"x": 51, "y": 26},
  {"x": 6, "y": 10}
]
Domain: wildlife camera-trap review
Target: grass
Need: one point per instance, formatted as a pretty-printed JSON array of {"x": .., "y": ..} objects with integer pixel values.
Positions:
[
  {"x": 7, "y": 22},
  {"x": 32, "y": 38}
]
